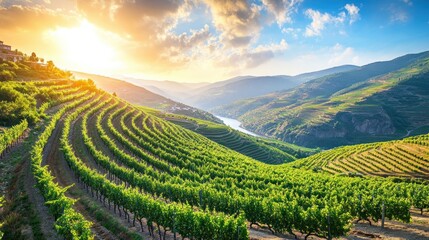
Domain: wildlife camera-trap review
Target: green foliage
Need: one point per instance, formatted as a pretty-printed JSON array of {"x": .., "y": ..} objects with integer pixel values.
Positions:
[
  {"x": 183, "y": 182},
  {"x": 265, "y": 150},
  {"x": 11, "y": 135},
  {"x": 7, "y": 75},
  {"x": 166, "y": 215},
  {"x": 181, "y": 166},
  {"x": 30, "y": 70},
  {"x": 19, "y": 100},
  {"x": 405, "y": 157},
  {"x": 69, "y": 223},
  {"x": 72, "y": 226},
  {"x": 16, "y": 103}
]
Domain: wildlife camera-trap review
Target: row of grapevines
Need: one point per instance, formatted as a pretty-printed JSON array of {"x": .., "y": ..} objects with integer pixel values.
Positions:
[
  {"x": 69, "y": 223},
  {"x": 182, "y": 218},
  {"x": 11, "y": 135},
  {"x": 399, "y": 211},
  {"x": 401, "y": 214},
  {"x": 150, "y": 159},
  {"x": 183, "y": 193}
]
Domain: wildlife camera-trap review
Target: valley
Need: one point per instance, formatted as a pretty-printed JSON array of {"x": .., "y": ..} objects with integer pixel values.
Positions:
[
  {"x": 214, "y": 120},
  {"x": 378, "y": 102}
]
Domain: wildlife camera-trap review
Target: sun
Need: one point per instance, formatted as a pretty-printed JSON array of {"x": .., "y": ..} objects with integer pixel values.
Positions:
[{"x": 86, "y": 48}]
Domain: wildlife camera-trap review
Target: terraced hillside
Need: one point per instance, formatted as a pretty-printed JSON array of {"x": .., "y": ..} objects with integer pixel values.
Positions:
[
  {"x": 262, "y": 149},
  {"x": 378, "y": 102},
  {"x": 407, "y": 158},
  {"x": 137, "y": 176}
]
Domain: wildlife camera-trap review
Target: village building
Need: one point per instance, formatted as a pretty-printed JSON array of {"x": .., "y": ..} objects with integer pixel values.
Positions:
[{"x": 6, "y": 53}]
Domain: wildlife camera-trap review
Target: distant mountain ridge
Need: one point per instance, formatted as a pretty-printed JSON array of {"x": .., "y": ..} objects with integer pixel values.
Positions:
[
  {"x": 242, "y": 87},
  {"x": 177, "y": 91},
  {"x": 379, "y": 101},
  {"x": 141, "y": 96},
  {"x": 212, "y": 95}
]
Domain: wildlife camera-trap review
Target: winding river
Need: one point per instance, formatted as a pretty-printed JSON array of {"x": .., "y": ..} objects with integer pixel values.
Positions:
[{"x": 235, "y": 124}]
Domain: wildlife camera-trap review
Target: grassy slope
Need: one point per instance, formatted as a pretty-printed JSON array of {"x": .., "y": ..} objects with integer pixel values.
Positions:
[
  {"x": 349, "y": 108},
  {"x": 262, "y": 149}
]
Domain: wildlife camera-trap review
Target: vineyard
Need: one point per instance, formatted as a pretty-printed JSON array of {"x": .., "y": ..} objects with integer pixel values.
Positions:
[
  {"x": 265, "y": 150},
  {"x": 172, "y": 183},
  {"x": 11, "y": 136},
  {"x": 407, "y": 158}
]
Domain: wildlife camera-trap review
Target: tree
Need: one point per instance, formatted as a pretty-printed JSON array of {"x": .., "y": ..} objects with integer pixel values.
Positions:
[
  {"x": 51, "y": 65},
  {"x": 33, "y": 57},
  {"x": 6, "y": 75}
]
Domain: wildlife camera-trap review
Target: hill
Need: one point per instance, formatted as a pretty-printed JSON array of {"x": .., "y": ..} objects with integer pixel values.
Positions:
[
  {"x": 401, "y": 158},
  {"x": 140, "y": 96},
  {"x": 178, "y": 91},
  {"x": 262, "y": 149},
  {"x": 106, "y": 168},
  {"x": 377, "y": 102},
  {"x": 242, "y": 87}
]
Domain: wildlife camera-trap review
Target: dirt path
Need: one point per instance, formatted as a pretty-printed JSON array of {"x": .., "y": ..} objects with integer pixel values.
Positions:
[
  {"x": 22, "y": 191},
  {"x": 47, "y": 221},
  {"x": 418, "y": 229}
]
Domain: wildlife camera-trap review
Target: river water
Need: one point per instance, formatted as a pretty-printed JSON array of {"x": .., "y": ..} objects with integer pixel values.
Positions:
[{"x": 235, "y": 124}]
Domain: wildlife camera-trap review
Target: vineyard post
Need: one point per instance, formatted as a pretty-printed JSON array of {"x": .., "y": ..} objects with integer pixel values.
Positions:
[
  {"x": 383, "y": 211},
  {"x": 360, "y": 200},
  {"x": 174, "y": 227},
  {"x": 238, "y": 232},
  {"x": 329, "y": 226},
  {"x": 200, "y": 193}
]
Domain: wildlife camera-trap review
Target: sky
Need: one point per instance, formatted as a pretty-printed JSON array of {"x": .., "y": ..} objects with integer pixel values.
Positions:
[{"x": 212, "y": 40}]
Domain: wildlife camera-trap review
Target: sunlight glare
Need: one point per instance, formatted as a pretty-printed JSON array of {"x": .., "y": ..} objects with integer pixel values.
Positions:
[{"x": 86, "y": 49}]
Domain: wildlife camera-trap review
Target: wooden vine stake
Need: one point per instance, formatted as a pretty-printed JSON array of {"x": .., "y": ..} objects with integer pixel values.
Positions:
[
  {"x": 201, "y": 198},
  {"x": 174, "y": 225},
  {"x": 383, "y": 213},
  {"x": 329, "y": 227}
]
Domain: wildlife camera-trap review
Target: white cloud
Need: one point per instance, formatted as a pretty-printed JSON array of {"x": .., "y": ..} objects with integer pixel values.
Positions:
[
  {"x": 291, "y": 31},
  {"x": 353, "y": 12},
  {"x": 238, "y": 21},
  {"x": 275, "y": 48},
  {"x": 282, "y": 9},
  {"x": 251, "y": 58},
  {"x": 319, "y": 20},
  {"x": 342, "y": 55}
]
